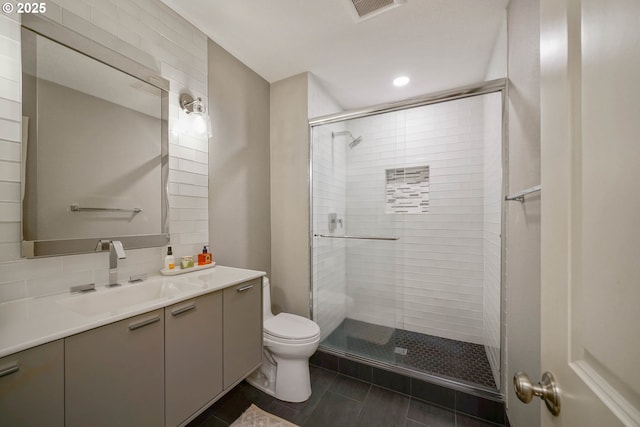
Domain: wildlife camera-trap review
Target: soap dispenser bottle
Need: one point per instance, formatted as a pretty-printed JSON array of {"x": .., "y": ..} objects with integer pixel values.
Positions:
[
  {"x": 169, "y": 260},
  {"x": 204, "y": 257}
]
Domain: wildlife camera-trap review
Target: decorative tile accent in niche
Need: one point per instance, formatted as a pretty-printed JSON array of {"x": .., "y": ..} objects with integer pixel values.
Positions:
[{"x": 407, "y": 190}]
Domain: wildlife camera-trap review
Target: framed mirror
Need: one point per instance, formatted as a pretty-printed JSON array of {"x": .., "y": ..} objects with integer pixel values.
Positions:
[{"x": 94, "y": 144}]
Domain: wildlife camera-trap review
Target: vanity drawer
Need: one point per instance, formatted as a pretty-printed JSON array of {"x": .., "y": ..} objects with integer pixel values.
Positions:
[
  {"x": 32, "y": 387},
  {"x": 242, "y": 330}
]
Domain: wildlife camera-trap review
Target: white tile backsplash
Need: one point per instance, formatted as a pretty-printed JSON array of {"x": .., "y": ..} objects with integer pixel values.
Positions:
[
  {"x": 148, "y": 32},
  {"x": 11, "y": 110},
  {"x": 10, "y": 130},
  {"x": 193, "y": 167}
]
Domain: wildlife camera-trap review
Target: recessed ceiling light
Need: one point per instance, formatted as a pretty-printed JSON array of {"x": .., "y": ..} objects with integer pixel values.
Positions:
[{"x": 401, "y": 81}]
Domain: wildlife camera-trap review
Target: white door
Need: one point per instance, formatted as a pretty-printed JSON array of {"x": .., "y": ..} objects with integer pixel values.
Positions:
[{"x": 590, "y": 120}]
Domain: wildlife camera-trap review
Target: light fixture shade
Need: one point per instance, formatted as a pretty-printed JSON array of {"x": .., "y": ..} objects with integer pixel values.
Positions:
[{"x": 193, "y": 119}]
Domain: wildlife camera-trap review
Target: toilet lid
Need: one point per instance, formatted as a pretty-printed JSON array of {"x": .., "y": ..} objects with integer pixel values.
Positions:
[{"x": 290, "y": 326}]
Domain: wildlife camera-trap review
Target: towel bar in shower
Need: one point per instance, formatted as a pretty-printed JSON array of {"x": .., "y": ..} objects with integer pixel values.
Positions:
[{"x": 357, "y": 237}]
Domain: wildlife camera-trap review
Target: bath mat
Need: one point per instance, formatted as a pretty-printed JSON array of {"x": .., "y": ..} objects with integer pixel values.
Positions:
[{"x": 256, "y": 417}]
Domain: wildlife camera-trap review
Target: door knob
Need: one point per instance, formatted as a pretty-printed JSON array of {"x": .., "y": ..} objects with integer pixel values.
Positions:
[{"x": 547, "y": 389}]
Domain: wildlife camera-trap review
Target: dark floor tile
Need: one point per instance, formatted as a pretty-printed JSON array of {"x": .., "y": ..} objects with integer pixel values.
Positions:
[
  {"x": 383, "y": 408},
  {"x": 433, "y": 393},
  {"x": 236, "y": 401},
  {"x": 200, "y": 419},
  {"x": 466, "y": 421},
  {"x": 213, "y": 422},
  {"x": 391, "y": 380},
  {"x": 321, "y": 381},
  {"x": 351, "y": 388},
  {"x": 412, "y": 423},
  {"x": 294, "y": 415},
  {"x": 479, "y": 407},
  {"x": 430, "y": 415},
  {"x": 355, "y": 369},
  {"x": 325, "y": 360},
  {"x": 334, "y": 410}
]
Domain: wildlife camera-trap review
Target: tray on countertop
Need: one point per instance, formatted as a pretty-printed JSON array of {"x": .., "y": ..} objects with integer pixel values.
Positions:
[{"x": 176, "y": 271}]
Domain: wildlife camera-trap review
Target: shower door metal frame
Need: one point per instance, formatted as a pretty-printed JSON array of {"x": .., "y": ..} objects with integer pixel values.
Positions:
[{"x": 483, "y": 88}]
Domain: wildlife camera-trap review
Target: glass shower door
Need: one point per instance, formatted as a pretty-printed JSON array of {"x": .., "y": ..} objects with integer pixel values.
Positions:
[{"x": 356, "y": 278}]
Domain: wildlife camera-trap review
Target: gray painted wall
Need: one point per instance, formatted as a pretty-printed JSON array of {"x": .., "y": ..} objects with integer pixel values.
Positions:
[
  {"x": 239, "y": 190},
  {"x": 290, "y": 195},
  {"x": 523, "y": 223}
]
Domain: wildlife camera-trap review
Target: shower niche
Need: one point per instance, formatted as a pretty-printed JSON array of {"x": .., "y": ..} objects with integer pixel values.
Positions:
[{"x": 413, "y": 278}]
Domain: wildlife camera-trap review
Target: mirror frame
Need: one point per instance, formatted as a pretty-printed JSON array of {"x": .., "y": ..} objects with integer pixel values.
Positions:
[{"x": 72, "y": 40}]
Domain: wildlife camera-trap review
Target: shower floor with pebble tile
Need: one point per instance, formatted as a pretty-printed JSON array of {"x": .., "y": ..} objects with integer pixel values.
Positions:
[{"x": 452, "y": 359}]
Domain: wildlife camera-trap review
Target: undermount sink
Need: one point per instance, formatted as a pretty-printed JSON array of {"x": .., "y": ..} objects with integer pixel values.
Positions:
[{"x": 108, "y": 300}]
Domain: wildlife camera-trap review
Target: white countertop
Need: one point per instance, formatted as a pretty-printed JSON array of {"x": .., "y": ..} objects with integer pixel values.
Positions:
[{"x": 30, "y": 322}]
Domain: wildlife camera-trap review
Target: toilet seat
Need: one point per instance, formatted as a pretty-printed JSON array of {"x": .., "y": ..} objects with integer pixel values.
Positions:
[{"x": 287, "y": 326}]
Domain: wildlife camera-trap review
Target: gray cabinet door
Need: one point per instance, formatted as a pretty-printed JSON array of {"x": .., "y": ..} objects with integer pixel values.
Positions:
[
  {"x": 242, "y": 337},
  {"x": 32, "y": 387},
  {"x": 193, "y": 352},
  {"x": 114, "y": 375}
]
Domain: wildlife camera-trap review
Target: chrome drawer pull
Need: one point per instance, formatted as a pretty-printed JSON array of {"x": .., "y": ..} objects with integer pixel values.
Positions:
[
  {"x": 181, "y": 310},
  {"x": 143, "y": 323},
  {"x": 9, "y": 370},
  {"x": 244, "y": 288}
]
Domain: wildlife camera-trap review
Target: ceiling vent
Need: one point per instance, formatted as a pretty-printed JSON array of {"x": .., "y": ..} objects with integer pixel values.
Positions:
[{"x": 369, "y": 8}]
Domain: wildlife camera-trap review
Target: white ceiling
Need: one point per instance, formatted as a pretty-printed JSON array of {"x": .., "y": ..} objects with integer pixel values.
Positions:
[{"x": 439, "y": 44}]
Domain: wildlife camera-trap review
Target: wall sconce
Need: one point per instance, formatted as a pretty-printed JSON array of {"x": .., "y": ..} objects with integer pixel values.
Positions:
[{"x": 196, "y": 121}]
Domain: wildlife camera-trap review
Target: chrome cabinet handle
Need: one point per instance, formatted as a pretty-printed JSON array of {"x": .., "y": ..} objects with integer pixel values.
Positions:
[
  {"x": 9, "y": 370},
  {"x": 143, "y": 323},
  {"x": 181, "y": 310},
  {"x": 547, "y": 389},
  {"x": 244, "y": 288}
]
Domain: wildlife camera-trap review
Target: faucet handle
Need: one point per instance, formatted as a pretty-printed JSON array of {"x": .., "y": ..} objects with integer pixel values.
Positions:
[
  {"x": 103, "y": 245},
  {"x": 117, "y": 246}
]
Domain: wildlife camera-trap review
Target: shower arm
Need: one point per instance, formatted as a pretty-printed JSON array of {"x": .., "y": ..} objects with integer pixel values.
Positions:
[{"x": 356, "y": 237}]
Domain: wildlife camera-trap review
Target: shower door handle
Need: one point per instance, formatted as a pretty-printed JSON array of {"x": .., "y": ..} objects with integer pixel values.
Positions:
[
  {"x": 547, "y": 389},
  {"x": 357, "y": 237}
]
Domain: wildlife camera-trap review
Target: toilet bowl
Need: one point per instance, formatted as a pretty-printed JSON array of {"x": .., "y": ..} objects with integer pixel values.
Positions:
[{"x": 288, "y": 342}]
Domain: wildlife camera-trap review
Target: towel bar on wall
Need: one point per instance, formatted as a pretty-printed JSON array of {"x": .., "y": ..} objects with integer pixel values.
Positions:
[
  {"x": 520, "y": 196},
  {"x": 76, "y": 208}
]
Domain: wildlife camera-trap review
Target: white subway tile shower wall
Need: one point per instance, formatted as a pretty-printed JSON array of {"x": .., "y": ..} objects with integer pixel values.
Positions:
[
  {"x": 492, "y": 104},
  {"x": 437, "y": 265},
  {"x": 329, "y": 255},
  {"x": 150, "y": 33}
]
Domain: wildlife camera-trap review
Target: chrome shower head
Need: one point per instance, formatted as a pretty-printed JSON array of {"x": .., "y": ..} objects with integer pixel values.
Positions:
[{"x": 354, "y": 141}]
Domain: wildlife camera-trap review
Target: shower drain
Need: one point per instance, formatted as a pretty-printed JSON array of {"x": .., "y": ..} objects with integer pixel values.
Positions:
[{"x": 400, "y": 350}]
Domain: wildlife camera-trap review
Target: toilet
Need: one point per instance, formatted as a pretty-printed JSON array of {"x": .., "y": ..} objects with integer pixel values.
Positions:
[{"x": 289, "y": 341}]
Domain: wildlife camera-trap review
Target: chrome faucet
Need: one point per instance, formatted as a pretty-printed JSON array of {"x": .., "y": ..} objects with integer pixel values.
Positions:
[{"x": 116, "y": 252}]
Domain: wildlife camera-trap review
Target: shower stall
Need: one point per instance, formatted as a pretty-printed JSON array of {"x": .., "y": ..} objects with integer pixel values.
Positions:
[{"x": 407, "y": 226}]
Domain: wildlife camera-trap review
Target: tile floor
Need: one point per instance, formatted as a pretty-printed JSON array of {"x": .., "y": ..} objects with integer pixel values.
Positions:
[
  {"x": 444, "y": 357},
  {"x": 337, "y": 400}
]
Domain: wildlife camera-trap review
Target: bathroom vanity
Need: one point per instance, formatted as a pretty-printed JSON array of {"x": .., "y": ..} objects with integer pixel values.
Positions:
[{"x": 155, "y": 353}]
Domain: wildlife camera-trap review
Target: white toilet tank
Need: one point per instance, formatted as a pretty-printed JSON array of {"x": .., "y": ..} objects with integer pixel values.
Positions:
[{"x": 266, "y": 298}]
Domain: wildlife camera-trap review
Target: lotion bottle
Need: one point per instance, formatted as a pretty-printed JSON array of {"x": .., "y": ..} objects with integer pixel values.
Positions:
[{"x": 169, "y": 260}]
